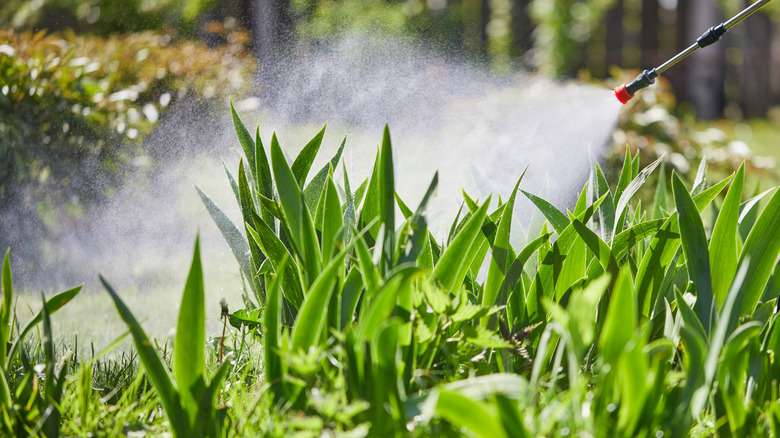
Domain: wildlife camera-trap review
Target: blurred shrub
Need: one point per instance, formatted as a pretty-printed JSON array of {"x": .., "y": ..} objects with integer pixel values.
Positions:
[
  {"x": 562, "y": 28},
  {"x": 75, "y": 110},
  {"x": 653, "y": 124},
  {"x": 102, "y": 17}
]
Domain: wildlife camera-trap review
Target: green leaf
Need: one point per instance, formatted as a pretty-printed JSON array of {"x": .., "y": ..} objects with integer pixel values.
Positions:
[
  {"x": 313, "y": 313},
  {"x": 621, "y": 320},
  {"x": 272, "y": 332},
  {"x": 418, "y": 226},
  {"x": 370, "y": 209},
  {"x": 297, "y": 214},
  {"x": 305, "y": 158},
  {"x": 582, "y": 313},
  {"x": 662, "y": 249},
  {"x": 264, "y": 179},
  {"x": 332, "y": 221},
  {"x": 760, "y": 252},
  {"x": 633, "y": 369},
  {"x": 700, "y": 182},
  {"x": 629, "y": 192},
  {"x": 189, "y": 348},
  {"x": 558, "y": 220},
  {"x": 607, "y": 208},
  {"x": 598, "y": 247},
  {"x": 386, "y": 193},
  {"x": 235, "y": 240},
  {"x": 313, "y": 190},
  {"x": 250, "y": 217},
  {"x": 659, "y": 199},
  {"x": 453, "y": 264},
  {"x": 155, "y": 369},
  {"x": 5, "y": 310},
  {"x": 723, "y": 244},
  {"x": 625, "y": 175},
  {"x": 727, "y": 318},
  {"x": 624, "y": 241},
  {"x": 748, "y": 213},
  {"x": 54, "y": 304},
  {"x": 384, "y": 301},
  {"x": 499, "y": 260},
  {"x": 350, "y": 296},
  {"x": 247, "y": 143},
  {"x": 276, "y": 252},
  {"x": 250, "y": 319},
  {"x": 463, "y": 412},
  {"x": 694, "y": 243}
]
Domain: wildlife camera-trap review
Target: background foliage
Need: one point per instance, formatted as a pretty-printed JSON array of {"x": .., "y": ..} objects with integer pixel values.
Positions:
[{"x": 77, "y": 108}]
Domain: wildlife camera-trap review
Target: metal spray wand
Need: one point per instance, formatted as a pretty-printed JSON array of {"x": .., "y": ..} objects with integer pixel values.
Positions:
[{"x": 625, "y": 92}]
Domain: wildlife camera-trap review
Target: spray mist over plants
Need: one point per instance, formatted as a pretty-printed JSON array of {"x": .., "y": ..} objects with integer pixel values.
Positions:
[{"x": 478, "y": 130}]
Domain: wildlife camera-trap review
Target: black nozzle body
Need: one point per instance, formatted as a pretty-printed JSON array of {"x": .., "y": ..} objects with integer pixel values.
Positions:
[
  {"x": 712, "y": 35},
  {"x": 644, "y": 79}
]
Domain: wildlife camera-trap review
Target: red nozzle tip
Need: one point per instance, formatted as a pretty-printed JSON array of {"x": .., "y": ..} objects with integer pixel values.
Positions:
[{"x": 622, "y": 94}]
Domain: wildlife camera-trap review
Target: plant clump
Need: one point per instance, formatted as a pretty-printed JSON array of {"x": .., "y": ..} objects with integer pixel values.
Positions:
[{"x": 616, "y": 318}]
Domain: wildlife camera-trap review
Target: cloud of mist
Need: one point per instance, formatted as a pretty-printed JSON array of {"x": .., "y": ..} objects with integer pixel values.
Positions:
[{"x": 480, "y": 131}]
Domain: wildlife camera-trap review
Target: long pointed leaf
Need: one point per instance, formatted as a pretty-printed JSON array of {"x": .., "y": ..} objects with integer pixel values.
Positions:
[
  {"x": 189, "y": 349},
  {"x": 723, "y": 244},
  {"x": 694, "y": 243}
]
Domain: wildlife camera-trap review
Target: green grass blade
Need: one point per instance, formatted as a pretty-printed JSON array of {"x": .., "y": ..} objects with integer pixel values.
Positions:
[
  {"x": 453, "y": 264},
  {"x": 387, "y": 200},
  {"x": 694, "y": 243},
  {"x": 465, "y": 413},
  {"x": 621, "y": 320},
  {"x": 760, "y": 253},
  {"x": 557, "y": 219},
  {"x": 155, "y": 369},
  {"x": 633, "y": 369},
  {"x": 272, "y": 332},
  {"x": 189, "y": 348},
  {"x": 723, "y": 244},
  {"x": 305, "y": 158},
  {"x": 5, "y": 310},
  {"x": 247, "y": 143},
  {"x": 54, "y": 304}
]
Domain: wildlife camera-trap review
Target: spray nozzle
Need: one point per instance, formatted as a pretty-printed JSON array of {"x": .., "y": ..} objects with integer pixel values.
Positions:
[{"x": 625, "y": 92}]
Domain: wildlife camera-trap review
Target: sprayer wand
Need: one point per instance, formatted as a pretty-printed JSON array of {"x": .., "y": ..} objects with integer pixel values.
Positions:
[{"x": 625, "y": 92}]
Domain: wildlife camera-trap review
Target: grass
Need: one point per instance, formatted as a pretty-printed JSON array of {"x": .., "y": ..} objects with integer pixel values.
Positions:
[{"x": 613, "y": 319}]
